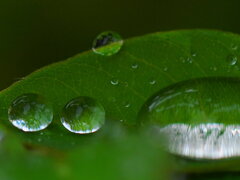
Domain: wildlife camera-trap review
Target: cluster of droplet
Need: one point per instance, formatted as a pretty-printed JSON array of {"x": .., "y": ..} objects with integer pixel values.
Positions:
[
  {"x": 31, "y": 112},
  {"x": 82, "y": 115}
]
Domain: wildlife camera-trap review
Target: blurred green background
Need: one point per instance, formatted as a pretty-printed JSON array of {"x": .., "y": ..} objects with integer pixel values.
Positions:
[{"x": 34, "y": 33}]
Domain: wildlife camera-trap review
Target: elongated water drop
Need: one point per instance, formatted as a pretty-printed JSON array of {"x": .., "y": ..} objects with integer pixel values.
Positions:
[
  {"x": 107, "y": 43},
  {"x": 30, "y": 112},
  {"x": 83, "y": 115},
  {"x": 199, "y": 118}
]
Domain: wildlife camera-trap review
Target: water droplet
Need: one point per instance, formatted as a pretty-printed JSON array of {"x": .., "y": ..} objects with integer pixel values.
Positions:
[
  {"x": 152, "y": 82},
  {"x": 30, "y": 112},
  {"x": 127, "y": 105},
  {"x": 165, "y": 69},
  {"x": 232, "y": 60},
  {"x": 83, "y": 115},
  {"x": 214, "y": 68},
  {"x": 182, "y": 59},
  {"x": 194, "y": 54},
  {"x": 114, "y": 82},
  {"x": 134, "y": 66},
  {"x": 194, "y": 117},
  {"x": 107, "y": 43},
  {"x": 189, "y": 60},
  {"x": 234, "y": 47}
]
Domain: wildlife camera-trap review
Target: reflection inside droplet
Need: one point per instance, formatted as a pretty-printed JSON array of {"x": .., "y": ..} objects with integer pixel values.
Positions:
[{"x": 208, "y": 141}]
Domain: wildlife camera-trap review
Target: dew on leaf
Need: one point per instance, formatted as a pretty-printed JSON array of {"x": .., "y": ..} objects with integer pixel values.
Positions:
[
  {"x": 194, "y": 54},
  {"x": 83, "y": 115},
  {"x": 127, "y": 104},
  {"x": 234, "y": 46},
  {"x": 114, "y": 82},
  {"x": 189, "y": 60},
  {"x": 199, "y": 118},
  {"x": 152, "y": 81},
  {"x": 232, "y": 60},
  {"x": 214, "y": 68},
  {"x": 107, "y": 43},
  {"x": 165, "y": 69},
  {"x": 134, "y": 66},
  {"x": 30, "y": 112}
]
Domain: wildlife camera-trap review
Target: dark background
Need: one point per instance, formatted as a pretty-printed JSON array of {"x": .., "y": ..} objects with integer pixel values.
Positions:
[{"x": 34, "y": 33}]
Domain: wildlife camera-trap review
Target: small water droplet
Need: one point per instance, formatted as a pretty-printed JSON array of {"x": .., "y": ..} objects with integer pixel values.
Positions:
[
  {"x": 232, "y": 60},
  {"x": 234, "y": 47},
  {"x": 127, "y": 105},
  {"x": 83, "y": 115},
  {"x": 134, "y": 66},
  {"x": 107, "y": 43},
  {"x": 114, "y": 82},
  {"x": 214, "y": 68},
  {"x": 165, "y": 69},
  {"x": 152, "y": 82},
  {"x": 194, "y": 54},
  {"x": 30, "y": 112},
  {"x": 182, "y": 59},
  {"x": 189, "y": 60}
]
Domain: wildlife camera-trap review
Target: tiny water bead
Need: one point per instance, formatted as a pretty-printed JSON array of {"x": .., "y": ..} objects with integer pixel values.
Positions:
[
  {"x": 107, "y": 43},
  {"x": 152, "y": 81},
  {"x": 234, "y": 47},
  {"x": 134, "y": 66},
  {"x": 187, "y": 60},
  {"x": 83, "y": 115},
  {"x": 199, "y": 118},
  {"x": 114, "y": 82},
  {"x": 213, "y": 68},
  {"x": 127, "y": 104},
  {"x": 30, "y": 112},
  {"x": 232, "y": 60},
  {"x": 194, "y": 54},
  {"x": 165, "y": 69}
]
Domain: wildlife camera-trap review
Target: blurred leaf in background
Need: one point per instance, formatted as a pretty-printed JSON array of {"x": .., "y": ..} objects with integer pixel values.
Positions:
[{"x": 118, "y": 156}]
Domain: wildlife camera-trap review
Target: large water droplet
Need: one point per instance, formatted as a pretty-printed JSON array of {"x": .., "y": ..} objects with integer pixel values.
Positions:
[
  {"x": 83, "y": 115},
  {"x": 30, "y": 112},
  {"x": 199, "y": 118},
  {"x": 107, "y": 43}
]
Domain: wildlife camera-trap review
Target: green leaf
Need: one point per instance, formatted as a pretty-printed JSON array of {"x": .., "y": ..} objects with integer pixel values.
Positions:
[
  {"x": 143, "y": 66},
  {"x": 159, "y": 57}
]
